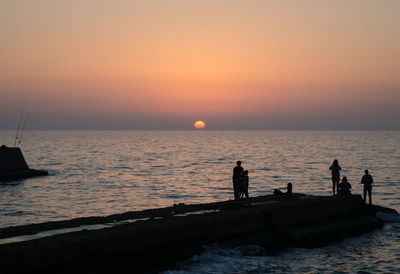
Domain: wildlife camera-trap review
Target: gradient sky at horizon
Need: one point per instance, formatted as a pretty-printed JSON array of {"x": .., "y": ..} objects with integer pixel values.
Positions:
[{"x": 234, "y": 64}]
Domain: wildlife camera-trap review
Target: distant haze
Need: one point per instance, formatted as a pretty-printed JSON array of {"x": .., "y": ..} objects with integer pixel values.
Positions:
[{"x": 250, "y": 64}]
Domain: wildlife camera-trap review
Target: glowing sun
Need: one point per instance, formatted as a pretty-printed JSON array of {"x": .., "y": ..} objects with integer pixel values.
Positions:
[{"x": 199, "y": 124}]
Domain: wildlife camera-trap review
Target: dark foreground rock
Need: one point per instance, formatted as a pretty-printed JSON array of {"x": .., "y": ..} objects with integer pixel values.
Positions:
[{"x": 164, "y": 236}]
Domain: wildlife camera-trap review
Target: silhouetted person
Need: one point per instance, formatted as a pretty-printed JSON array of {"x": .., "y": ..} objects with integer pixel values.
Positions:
[
  {"x": 367, "y": 181},
  {"x": 236, "y": 179},
  {"x": 335, "y": 169},
  {"x": 344, "y": 187},
  {"x": 245, "y": 184},
  {"x": 289, "y": 190}
]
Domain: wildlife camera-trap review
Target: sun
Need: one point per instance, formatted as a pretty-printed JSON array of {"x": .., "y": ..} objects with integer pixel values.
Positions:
[{"x": 199, "y": 124}]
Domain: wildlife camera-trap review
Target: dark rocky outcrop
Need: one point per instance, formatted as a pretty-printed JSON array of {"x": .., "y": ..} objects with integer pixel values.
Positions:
[
  {"x": 11, "y": 159},
  {"x": 13, "y": 165}
]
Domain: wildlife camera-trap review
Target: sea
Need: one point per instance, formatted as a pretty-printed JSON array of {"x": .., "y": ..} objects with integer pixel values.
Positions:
[{"x": 97, "y": 173}]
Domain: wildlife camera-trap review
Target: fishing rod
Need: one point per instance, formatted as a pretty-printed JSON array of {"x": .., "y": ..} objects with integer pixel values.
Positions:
[
  {"x": 382, "y": 183},
  {"x": 23, "y": 128},
  {"x": 19, "y": 124}
]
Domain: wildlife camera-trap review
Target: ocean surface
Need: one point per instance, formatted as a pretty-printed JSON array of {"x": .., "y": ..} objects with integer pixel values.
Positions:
[{"x": 96, "y": 173}]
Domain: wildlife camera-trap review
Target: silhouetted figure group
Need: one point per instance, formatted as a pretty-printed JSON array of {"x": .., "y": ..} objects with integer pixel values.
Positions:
[
  {"x": 344, "y": 187},
  {"x": 240, "y": 181}
]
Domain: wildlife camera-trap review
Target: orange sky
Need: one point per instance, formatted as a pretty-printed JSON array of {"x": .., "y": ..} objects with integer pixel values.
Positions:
[{"x": 268, "y": 62}]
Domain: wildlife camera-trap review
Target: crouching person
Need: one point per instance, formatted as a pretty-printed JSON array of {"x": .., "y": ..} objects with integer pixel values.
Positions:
[{"x": 344, "y": 187}]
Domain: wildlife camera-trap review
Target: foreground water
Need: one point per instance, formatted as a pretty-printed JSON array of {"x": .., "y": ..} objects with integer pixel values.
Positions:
[{"x": 95, "y": 173}]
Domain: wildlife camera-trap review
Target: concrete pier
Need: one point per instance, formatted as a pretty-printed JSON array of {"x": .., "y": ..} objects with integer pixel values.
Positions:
[{"x": 153, "y": 240}]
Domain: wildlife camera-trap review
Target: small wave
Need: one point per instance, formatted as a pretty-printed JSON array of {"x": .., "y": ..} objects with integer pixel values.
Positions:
[
  {"x": 220, "y": 188},
  {"x": 18, "y": 213},
  {"x": 51, "y": 164},
  {"x": 157, "y": 166},
  {"x": 252, "y": 250},
  {"x": 389, "y": 218},
  {"x": 123, "y": 167},
  {"x": 217, "y": 259},
  {"x": 189, "y": 165}
]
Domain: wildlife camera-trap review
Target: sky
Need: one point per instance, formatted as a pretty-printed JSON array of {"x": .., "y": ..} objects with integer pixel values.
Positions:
[{"x": 164, "y": 64}]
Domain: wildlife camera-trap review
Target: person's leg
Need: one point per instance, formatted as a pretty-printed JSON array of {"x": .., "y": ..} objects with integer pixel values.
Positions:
[
  {"x": 237, "y": 193},
  {"x": 369, "y": 195},
  {"x": 365, "y": 194},
  {"x": 234, "y": 187},
  {"x": 337, "y": 185},
  {"x": 333, "y": 186}
]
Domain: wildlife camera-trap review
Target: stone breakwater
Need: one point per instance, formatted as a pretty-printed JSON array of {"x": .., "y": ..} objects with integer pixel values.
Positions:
[{"x": 153, "y": 240}]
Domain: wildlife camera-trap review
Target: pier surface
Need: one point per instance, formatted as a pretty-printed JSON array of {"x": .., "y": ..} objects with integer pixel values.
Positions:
[{"x": 155, "y": 239}]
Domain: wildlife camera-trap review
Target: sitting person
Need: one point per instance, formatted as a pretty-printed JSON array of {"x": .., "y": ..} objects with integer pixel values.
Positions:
[
  {"x": 344, "y": 187},
  {"x": 288, "y": 192}
]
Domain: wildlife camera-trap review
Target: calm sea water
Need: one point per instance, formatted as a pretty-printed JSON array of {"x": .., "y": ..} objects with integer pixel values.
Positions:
[{"x": 106, "y": 172}]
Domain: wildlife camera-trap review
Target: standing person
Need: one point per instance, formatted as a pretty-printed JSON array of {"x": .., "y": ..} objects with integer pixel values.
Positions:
[
  {"x": 367, "y": 181},
  {"x": 245, "y": 184},
  {"x": 236, "y": 179},
  {"x": 335, "y": 169}
]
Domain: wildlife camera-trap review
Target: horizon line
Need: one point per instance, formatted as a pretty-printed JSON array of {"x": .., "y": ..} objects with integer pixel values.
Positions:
[{"x": 203, "y": 129}]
